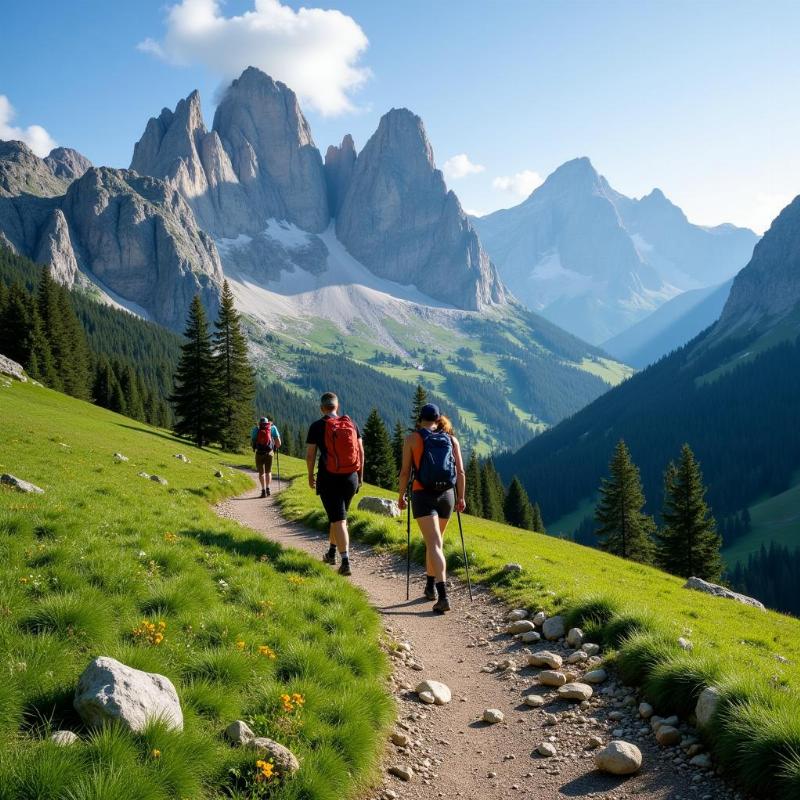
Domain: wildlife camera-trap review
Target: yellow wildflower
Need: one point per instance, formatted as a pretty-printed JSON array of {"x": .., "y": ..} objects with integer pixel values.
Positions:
[
  {"x": 154, "y": 753},
  {"x": 264, "y": 770},
  {"x": 240, "y": 644},
  {"x": 266, "y": 651}
]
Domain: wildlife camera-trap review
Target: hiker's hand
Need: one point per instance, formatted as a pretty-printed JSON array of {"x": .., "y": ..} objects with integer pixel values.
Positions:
[
  {"x": 312, "y": 482},
  {"x": 461, "y": 504},
  {"x": 402, "y": 502}
]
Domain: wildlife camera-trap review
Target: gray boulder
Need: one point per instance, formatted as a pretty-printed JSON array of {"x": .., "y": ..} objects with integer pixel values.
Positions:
[
  {"x": 619, "y": 758},
  {"x": 109, "y": 691},
  {"x": 12, "y": 369},
  {"x": 553, "y": 628},
  {"x": 239, "y": 732},
  {"x": 158, "y": 479},
  {"x": 699, "y": 585},
  {"x": 64, "y": 738},
  {"x": 19, "y": 484},
  {"x": 379, "y": 505},
  {"x": 284, "y": 760},
  {"x": 706, "y": 706}
]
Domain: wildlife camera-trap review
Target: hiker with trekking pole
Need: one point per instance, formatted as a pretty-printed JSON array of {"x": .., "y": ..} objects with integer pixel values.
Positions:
[
  {"x": 432, "y": 485},
  {"x": 265, "y": 439}
]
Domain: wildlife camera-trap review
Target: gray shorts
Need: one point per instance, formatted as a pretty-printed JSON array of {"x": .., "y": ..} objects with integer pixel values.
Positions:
[{"x": 425, "y": 503}]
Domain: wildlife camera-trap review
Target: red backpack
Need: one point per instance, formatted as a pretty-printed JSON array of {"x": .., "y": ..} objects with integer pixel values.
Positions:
[
  {"x": 343, "y": 455},
  {"x": 264, "y": 438}
]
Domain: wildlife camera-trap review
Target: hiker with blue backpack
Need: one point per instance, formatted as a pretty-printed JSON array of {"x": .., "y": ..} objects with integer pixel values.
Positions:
[
  {"x": 433, "y": 465},
  {"x": 265, "y": 439}
]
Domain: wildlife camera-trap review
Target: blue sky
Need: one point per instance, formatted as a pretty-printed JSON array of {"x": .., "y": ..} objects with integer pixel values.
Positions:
[{"x": 697, "y": 98}]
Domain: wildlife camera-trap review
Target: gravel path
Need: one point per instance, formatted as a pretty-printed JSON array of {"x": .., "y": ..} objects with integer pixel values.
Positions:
[{"x": 451, "y": 752}]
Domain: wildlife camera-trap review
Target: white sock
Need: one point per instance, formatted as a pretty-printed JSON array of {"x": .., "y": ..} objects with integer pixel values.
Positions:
[{"x": 345, "y": 554}]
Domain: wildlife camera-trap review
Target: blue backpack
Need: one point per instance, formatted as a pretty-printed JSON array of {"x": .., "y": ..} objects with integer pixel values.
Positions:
[{"x": 437, "y": 468}]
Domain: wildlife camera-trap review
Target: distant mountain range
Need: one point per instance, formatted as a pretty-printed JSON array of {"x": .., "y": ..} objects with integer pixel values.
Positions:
[
  {"x": 731, "y": 393},
  {"x": 596, "y": 262}
]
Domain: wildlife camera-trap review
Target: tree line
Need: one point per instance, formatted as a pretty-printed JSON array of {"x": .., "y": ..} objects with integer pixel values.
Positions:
[{"x": 772, "y": 575}]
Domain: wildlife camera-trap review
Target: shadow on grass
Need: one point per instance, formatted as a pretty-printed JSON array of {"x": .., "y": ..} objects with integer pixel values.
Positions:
[
  {"x": 52, "y": 709},
  {"x": 250, "y": 546},
  {"x": 168, "y": 436}
]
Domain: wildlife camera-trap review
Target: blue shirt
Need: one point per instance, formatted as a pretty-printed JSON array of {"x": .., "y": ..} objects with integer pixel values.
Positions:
[{"x": 253, "y": 433}]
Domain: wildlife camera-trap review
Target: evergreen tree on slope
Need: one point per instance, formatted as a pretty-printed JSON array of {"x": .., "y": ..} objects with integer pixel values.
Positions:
[
  {"x": 474, "y": 495},
  {"x": 624, "y": 529},
  {"x": 492, "y": 493},
  {"x": 538, "y": 521},
  {"x": 194, "y": 397},
  {"x": 379, "y": 464},
  {"x": 235, "y": 381},
  {"x": 689, "y": 543},
  {"x": 517, "y": 509},
  {"x": 398, "y": 439},
  {"x": 420, "y": 399}
]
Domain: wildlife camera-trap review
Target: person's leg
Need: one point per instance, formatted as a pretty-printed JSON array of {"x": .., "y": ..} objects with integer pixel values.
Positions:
[
  {"x": 434, "y": 555},
  {"x": 268, "y": 472},
  {"x": 261, "y": 473}
]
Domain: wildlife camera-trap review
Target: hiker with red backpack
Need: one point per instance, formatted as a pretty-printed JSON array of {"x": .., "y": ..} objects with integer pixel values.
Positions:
[
  {"x": 432, "y": 460},
  {"x": 340, "y": 472},
  {"x": 265, "y": 439}
]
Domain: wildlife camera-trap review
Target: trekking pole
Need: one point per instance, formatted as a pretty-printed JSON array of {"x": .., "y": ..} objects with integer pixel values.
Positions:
[
  {"x": 464, "y": 550},
  {"x": 278, "y": 459},
  {"x": 408, "y": 539}
]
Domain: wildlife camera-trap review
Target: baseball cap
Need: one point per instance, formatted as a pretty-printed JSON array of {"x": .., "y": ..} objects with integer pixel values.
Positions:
[{"x": 429, "y": 412}]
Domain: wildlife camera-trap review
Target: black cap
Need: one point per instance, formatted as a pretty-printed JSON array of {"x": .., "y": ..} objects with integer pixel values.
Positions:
[{"x": 429, "y": 412}]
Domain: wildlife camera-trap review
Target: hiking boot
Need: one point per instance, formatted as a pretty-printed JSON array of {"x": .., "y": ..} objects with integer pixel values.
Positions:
[
  {"x": 429, "y": 594},
  {"x": 263, "y": 493},
  {"x": 269, "y": 491},
  {"x": 344, "y": 569},
  {"x": 441, "y": 605},
  {"x": 329, "y": 558}
]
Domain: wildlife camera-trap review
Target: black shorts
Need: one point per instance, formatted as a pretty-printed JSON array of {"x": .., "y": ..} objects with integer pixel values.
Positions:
[
  {"x": 336, "y": 492},
  {"x": 427, "y": 503}
]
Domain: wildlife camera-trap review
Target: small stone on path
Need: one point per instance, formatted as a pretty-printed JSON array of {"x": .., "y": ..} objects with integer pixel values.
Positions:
[
  {"x": 553, "y": 628},
  {"x": 544, "y": 658},
  {"x": 402, "y": 771},
  {"x": 493, "y": 715},
  {"x": 595, "y": 676},
  {"x": 619, "y": 758},
  {"x": 546, "y": 749},
  {"x": 667, "y": 736},
  {"x": 575, "y": 691},
  {"x": 441, "y": 692},
  {"x": 550, "y": 677},
  {"x": 534, "y": 700}
]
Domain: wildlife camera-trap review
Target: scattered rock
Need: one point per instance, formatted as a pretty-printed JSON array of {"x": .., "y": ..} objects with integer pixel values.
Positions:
[
  {"x": 544, "y": 658},
  {"x": 699, "y": 585},
  {"x": 551, "y": 677},
  {"x": 512, "y": 567},
  {"x": 389, "y": 794},
  {"x": 218, "y": 474},
  {"x": 578, "y": 657},
  {"x": 144, "y": 475},
  {"x": 19, "y": 484},
  {"x": 538, "y": 618},
  {"x": 440, "y": 691},
  {"x": 594, "y": 742},
  {"x": 120, "y": 457},
  {"x": 575, "y": 691},
  {"x": 400, "y": 739},
  {"x": 667, "y": 736},
  {"x": 12, "y": 369},
  {"x": 546, "y": 750},
  {"x": 553, "y": 628},
  {"x": 380, "y": 505},
  {"x": 405, "y": 773},
  {"x": 157, "y": 479},
  {"x": 645, "y": 710},
  {"x": 493, "y": 715},
  {"x": 427, "y": 698},
  {"x": 684, "y": 643},
  {"x": 239, "y": 732},
  {"x": 63, "y": 738},
  {"x": 521, "y": 626},
  {"x": 534, "y": 700},
  {"x": 182, "y": 457},
  {"x": 707, "y": 705},
  {"x": 595, "y": 676},
  {"x": 590, "y": 649},
  {"x": 517, "y": 614},
  {"x": 283, "y": 758},
  {"x": 619, "y": 758},
  {"x": 575, "y": 638},
  {"x": 108, "y": 691},
  {"x": 702, "y": 760}
]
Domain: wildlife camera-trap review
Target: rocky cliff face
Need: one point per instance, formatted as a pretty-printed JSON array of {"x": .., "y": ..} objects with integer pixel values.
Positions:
[
  {"x": 399, "y": 219},
  {"x": 24, "y": 173},
  {"x": 66, "y": 163},
  {"x": 767, "y": 290},
  {"x": 339, "y": 164},
  {"x": 258, "y": 162},
  {"x": 135, "y": 236}
]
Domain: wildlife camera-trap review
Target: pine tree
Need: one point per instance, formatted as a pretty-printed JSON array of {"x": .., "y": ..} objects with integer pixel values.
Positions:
[
  {"x": 41, "y": 365},
  {"x": 194, "y": 396},
  {"x": 517, "y": 509},
  {"x": 104, "y": 382},
  {"x": 379, "y": 464},
  {"x": 624, "y": 529},
  {"x": 420, "y": 399},
  {"x": 492, "y": 494},
  {"x": 134, "y": 403},
  {"x": 74, "y": 348},
  {"x": 538, "y": 522},
  {"x": 235, "y": 380},
  {"x": 474, "y": 496},
  {"x": 15, "y": 325},
  {"x": 398, "y": 440},
  {"x": 688, "y": 544}
]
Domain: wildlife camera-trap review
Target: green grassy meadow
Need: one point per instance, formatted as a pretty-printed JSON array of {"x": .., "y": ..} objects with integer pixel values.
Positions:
[
  {"x": 104, "y": 550},
  {"x": 638, "y": 612}
]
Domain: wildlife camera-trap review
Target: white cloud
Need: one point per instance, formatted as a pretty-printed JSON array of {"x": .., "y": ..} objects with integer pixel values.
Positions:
[
  {"x": 460, "y": 166},
  {"x": 473, "y": 212},
  {"x": 35, "y": 136},
  {"x": 312, "y": 50},
  {"x": 521, "y": 184}
]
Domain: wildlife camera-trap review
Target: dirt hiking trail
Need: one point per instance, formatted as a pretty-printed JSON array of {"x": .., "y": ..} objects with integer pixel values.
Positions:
[{"x": 451, "y": 752}]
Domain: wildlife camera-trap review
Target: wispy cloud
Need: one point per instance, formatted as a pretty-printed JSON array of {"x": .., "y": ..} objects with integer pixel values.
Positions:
[
  {"x": 314, "y": 51},
  {"x": 521, "y": 184},
  {"x": 35, "y": 136},
  {"x": 460, "y": 166}
]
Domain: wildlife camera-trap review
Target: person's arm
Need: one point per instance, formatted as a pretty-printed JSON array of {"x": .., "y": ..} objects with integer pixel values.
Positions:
[
  {"x": 253, "y": 434},
  {"x": 461, "y": 477},
  {"x": 405, "y": 473},
  {"x": 276, "y": 438},
  {"x": 361, "y": 470},
  {"x": 311, "y": 457}
]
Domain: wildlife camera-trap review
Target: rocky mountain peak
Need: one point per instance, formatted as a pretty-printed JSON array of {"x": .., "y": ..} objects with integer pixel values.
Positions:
[
  {"x": 399, "y": 219},
  {"x": 22, "y": 172},
  {"x": 66, "y": 163},
  {"x": 339, "y": 163}
]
